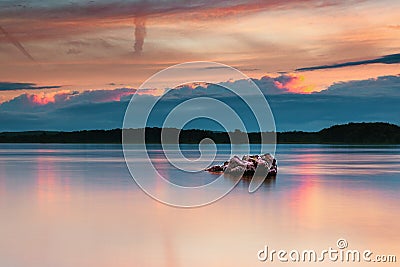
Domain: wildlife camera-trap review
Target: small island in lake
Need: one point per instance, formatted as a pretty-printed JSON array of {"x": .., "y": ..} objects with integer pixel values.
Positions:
[{"x": 250, "y": 165}]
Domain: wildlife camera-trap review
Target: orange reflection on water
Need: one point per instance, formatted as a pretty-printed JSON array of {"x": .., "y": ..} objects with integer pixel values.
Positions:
[
  {"x": 50, "y": 187},
  {"x": 159, "y": 164},
  {"x": 306, "y": 198},
  {"x": 169, "y": 254}
]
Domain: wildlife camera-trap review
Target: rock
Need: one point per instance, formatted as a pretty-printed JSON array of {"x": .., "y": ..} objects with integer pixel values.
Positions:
[{"x": 249, "y": 165}]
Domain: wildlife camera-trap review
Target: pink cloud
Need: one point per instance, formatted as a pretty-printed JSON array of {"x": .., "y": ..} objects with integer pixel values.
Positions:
[
  {"x": 93, "y": 96},
  {"x": 44, "y": 98},
  {"x": 293, "y": 83}
]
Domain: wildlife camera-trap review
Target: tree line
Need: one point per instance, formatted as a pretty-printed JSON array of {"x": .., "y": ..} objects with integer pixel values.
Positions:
[{"x": 351, "y": 133}]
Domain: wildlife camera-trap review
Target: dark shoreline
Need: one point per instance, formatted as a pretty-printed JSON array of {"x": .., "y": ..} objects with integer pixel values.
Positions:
[{"x": 346, "y": 134}]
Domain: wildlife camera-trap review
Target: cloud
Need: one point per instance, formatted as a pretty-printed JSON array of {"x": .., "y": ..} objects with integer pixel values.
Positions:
[
  {"x": 315, "y": 111},
  {"x": 106, "y": 115},
  {"x": 73, "y": 51},
  {"x": 66, "y": 97},
  {"x": 291, "y": 112},
  {"x": 60, "y": 16},
  {"x": 140, "y": 33},
  {"x": 292, "y": 83},
  {"x": 388, "y": 59},
  {"x": 281, "y": 84},
  {"x": 31, "y": 100},
  {"x": 365, "y": 100},
  {"x": 77, "y": 47},
  {"x": 380, "y": 86},
  {"x": 205, "y": 9},
  {"x": 16, "y": 43},
  {"x": 269, "y": 85},
  {"x": 10, "y": 86},
  {"x": 227, "y": 67}
]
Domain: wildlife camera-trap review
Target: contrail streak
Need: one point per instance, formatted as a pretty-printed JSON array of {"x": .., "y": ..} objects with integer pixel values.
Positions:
[
  {"x": 17, "y": 44},
  {"x": 140, "y": 33}
]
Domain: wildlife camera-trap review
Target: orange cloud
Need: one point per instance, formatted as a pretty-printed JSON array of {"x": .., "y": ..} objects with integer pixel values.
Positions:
[{"x": 294, "y": 84}]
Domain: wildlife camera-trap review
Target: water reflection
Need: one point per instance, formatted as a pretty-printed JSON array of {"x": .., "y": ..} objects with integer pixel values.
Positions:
[
  {"x": 76, "y": 205},
  {"x": 51, "y": 183},
  {"x": 244, "y": 182}
]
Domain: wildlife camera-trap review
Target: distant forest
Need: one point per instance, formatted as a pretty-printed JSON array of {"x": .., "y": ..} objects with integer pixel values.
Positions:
[{"x": 352, "y": 133}]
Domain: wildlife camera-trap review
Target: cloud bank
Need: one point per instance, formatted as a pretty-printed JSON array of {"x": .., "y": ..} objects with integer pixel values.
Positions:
[
  {"x": 385, "y": 86},
  {"x": 366, "y": 100}
]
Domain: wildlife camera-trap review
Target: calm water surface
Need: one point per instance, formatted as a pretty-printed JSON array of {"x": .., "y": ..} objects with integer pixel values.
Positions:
[{"x": 77, "y": 205}]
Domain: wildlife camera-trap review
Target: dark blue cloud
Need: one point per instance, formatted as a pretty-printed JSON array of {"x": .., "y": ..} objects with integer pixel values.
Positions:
[
  {"x": 355, "y": 101},
  {"x": 10, "y": 86},
  {"x": 291, "y": 112},
  {"x": 388, "y": 59}
]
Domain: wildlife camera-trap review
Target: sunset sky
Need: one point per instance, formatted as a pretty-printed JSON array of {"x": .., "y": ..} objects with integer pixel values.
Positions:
[{"x": 59, "y": 58}]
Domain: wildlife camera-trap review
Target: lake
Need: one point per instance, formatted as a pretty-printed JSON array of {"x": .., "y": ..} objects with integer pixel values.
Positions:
[{"x": 77, "y": 205}]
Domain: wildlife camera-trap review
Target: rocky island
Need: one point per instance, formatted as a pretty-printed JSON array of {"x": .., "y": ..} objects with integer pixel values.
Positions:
[{"x": 248, "y": 166}]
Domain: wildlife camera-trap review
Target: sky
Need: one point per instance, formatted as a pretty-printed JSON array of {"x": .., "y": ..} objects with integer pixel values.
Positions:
[{"x": 72, "y": 65}]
